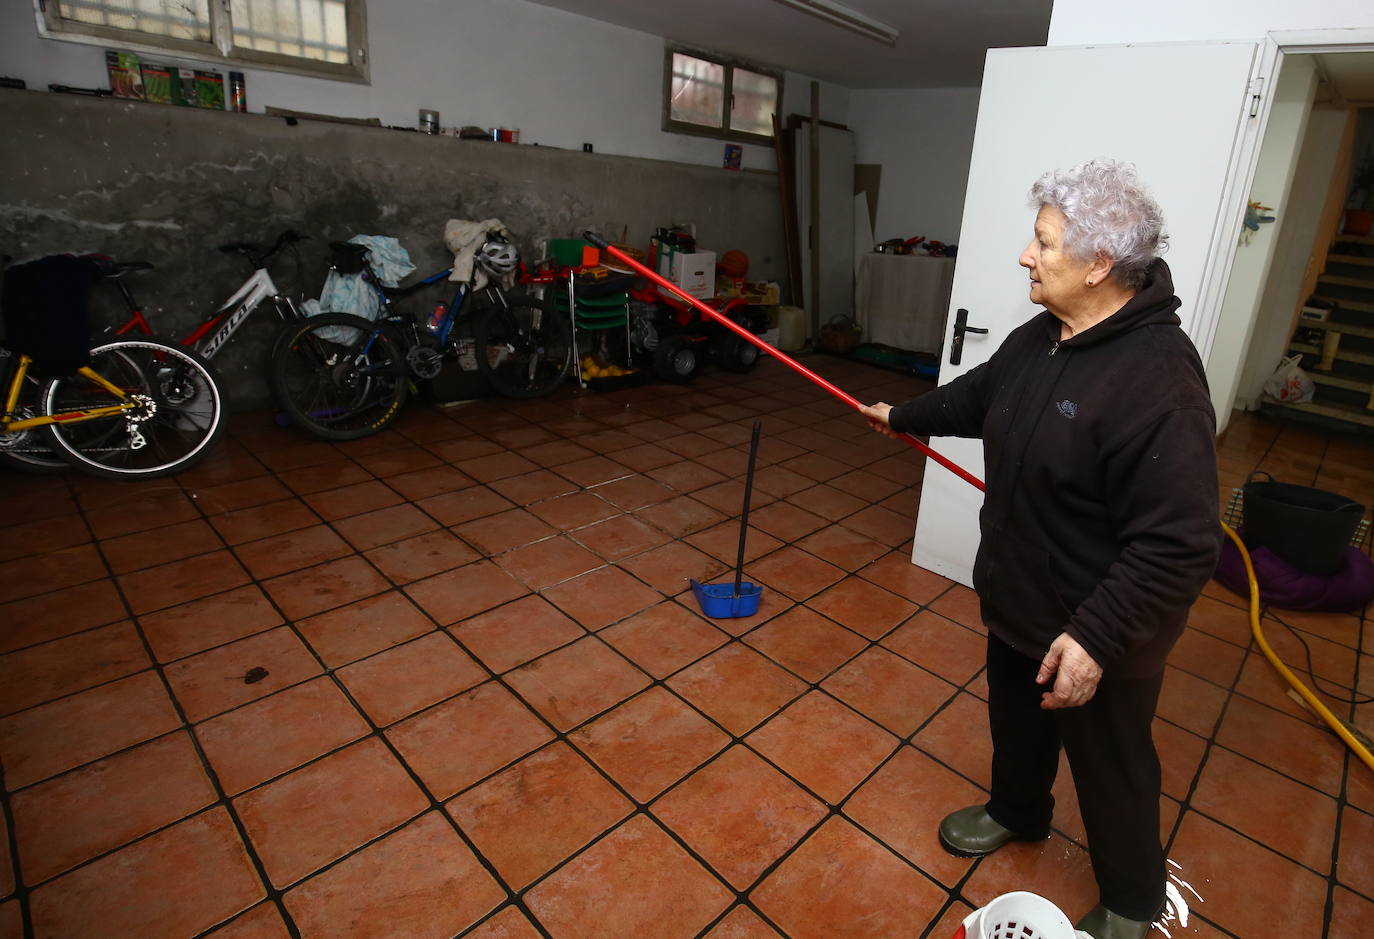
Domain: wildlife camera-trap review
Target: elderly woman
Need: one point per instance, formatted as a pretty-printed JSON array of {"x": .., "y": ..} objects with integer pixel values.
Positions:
[{"x": 1099, "y": 530}]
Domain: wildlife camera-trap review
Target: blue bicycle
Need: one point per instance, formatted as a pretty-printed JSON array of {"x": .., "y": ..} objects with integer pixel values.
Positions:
[{"x": 343, "y": 377}]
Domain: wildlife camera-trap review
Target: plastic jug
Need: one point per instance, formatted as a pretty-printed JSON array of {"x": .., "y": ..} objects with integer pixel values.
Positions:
[{"x": 791, "y": 328}]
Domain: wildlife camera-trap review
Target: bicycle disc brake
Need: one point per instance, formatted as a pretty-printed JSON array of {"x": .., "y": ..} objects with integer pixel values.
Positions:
[{"x": 424, "y": 362}]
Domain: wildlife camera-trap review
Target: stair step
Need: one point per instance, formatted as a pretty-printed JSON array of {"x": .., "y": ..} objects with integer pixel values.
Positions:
[
  {"x": 1353, "y": 239},
  {"x": 1312, "y": 348},
  {"x": 1337, "y": 381},
  {"x": 1349, "y": 259},
  {"x": 1364, "y": 282},
  {"x": 1346, "y": 304},
  {"x": 1352, "y": 415}
]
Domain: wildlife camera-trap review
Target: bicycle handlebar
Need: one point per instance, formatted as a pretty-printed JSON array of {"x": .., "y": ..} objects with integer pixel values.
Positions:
[{"x": 258, "y": 255}]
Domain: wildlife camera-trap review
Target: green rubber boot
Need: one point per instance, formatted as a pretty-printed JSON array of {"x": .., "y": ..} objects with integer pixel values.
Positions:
[
  {"x": 971, "y": 832},
  {"x": 1102, "y": 923}
]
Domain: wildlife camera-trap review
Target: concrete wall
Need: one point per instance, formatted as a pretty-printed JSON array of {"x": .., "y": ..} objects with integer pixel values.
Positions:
[
  {"x": 923, "y": 138},
  {"x": 561, "y": 79},
  {"x": 167, "y": 184}
]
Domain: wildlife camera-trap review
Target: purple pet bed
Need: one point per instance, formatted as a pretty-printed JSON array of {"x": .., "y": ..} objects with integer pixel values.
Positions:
[{"x": 1284, "y": 586}]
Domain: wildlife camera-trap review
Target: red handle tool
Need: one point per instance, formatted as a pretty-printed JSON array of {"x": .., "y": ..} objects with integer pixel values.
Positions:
[{"x": 782, "y": 357}]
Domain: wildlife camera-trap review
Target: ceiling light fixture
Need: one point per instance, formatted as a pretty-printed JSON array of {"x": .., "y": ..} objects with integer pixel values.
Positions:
[{"x": 846, "y": 17}]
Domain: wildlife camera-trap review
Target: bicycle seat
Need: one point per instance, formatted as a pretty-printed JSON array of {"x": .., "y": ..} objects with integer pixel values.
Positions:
[
  {"x": 348, "y": 258},
  {"x": 109, "y": 267}
]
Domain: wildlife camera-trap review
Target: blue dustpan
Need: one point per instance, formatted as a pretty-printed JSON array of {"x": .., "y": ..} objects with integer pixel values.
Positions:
[{"x": 723, "y": 601}]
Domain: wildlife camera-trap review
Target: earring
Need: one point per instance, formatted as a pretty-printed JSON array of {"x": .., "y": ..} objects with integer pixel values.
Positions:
[{"x": 1090, "y": 283}]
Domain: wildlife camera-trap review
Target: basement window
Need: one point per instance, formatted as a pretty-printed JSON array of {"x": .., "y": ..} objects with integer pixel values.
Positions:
[
  {"x": 710, "y": 96},
  {"x": 323, "y": 38}
]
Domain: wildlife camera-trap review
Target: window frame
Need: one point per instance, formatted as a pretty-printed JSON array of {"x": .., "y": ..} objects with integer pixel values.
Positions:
[
  {"x": 724, "y": 132},
  {"x": 220, "y": 49}
]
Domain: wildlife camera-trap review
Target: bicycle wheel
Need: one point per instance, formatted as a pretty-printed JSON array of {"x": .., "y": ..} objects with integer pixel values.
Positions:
[
  {"x": 180, "y": 412},
  {"x": 339, "y": 376},
  {"x": 524, "y": 348},
  {"x": 27, "y": 450}
]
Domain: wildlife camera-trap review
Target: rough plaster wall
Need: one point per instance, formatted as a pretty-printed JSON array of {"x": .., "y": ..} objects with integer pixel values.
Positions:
[{"x": 165, "y": 184}]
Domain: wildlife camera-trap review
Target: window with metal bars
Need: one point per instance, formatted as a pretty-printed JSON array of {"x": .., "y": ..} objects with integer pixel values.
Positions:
[
  {"x": 313, "y": 37},
  {"x": 711, "y": 96}
]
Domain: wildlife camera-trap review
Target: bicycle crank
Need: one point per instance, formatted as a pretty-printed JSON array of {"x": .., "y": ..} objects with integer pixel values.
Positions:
[{"x": 424, "y": 362}]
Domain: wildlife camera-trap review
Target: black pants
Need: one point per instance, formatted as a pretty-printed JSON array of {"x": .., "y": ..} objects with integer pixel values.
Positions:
[{"x": 1115, "y": 771}]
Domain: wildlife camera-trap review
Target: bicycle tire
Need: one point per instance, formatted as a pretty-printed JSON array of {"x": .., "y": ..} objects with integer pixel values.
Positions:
[
  {"x": 339, "y": 376},
  {"x": 525, "y": 349},
  {"x": 184, "y": 419}
]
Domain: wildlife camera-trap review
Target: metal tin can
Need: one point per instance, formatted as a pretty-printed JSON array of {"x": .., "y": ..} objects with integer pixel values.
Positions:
[{"x": 238, "y": 94}]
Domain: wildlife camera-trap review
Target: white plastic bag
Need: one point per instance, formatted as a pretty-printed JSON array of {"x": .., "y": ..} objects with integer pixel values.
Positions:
[{"x": 1290, "y": 383}]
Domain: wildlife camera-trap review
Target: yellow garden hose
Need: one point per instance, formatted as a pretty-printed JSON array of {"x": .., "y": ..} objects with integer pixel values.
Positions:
[{"x": 1334, "y": 722}]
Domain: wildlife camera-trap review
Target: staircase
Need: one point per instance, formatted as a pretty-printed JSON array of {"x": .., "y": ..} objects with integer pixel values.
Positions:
[{"x": 1338, "y": 353}]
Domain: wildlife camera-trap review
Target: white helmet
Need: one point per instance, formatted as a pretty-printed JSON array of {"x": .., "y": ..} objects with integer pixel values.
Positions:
[{"x": 497, "y": 256}]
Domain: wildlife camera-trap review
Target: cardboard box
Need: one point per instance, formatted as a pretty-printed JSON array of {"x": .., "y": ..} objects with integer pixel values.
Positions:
[
  {"x": 184, "y": 87},
  {"x": 126, "y": 78},
  {"x": 210, "y": 90},
  {"x": 695, "y": 273},
  {"x": 158, "y": 83}
]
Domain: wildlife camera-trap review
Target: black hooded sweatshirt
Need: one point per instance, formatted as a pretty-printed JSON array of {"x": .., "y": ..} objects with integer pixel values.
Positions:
[{"x": 1100, "y": 515}]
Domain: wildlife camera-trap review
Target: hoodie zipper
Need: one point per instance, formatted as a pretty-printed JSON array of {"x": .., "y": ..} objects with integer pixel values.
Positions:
[{"x": 1054, "y": 348}]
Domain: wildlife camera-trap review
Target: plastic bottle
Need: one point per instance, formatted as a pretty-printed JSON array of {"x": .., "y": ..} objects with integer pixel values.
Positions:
[{"x": 436, "y": 319}]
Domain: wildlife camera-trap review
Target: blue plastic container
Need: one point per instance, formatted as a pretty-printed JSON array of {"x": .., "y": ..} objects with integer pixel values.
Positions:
[{"x": 719, "y": 601}]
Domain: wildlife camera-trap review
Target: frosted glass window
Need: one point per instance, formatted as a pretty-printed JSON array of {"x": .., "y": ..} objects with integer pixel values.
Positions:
[
  {"x": 698, "y": 91},
  {"x": 754, "y": 98},
  {"x": 178, "y": 19},
  {"x": 308, "y": 29}
]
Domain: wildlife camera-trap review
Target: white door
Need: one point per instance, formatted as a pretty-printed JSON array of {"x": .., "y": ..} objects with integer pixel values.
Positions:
[{"x": 1178, "y": 111}]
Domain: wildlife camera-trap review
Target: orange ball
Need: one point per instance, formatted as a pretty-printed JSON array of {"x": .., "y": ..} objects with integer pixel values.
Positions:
[{"x": 734, "y": 263}]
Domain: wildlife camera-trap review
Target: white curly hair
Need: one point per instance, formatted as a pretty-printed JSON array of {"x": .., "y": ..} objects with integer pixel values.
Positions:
[{"x": 1109, "y": 212}]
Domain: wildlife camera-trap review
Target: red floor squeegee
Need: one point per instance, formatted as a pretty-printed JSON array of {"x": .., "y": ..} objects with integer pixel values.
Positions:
[{"x": 784, "y": 358}]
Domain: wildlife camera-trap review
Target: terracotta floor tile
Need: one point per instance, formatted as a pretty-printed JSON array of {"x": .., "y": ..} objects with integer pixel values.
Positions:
[
  {"x": 828, "y": 502},
  {"x": 903, "y": 804},
  {"x": 601, "y": 597},
  {"x": 1221, "y": 620},
  {"x": 297, "y": 831},
  {"x": 1180, "y": 755},
  {"x": 463, "y": 448},
  {"x": 177, "y": 882},
  {"x": 1353, "y": 867},
  {"x": 513, "y": 634},
  {"x": 530, "y": 488},
  {"x": 680, "y": 515},
  {"x": 890, "y": 690},
  {"x": 1191, "y": 702},
  {"x": 509, "y": 923},
  {"x": 159, "y": 545},
  {"x": 805, "y": 643},
  {"x": 664, "y": 638},
  {"x": 659, "y": 889},
  {"x": 862, "y": 484},
  {"x": 633, "y": 492},
  {"x": 1207, "y": 657},
  {"x": 420, "y": 881},
  {"x": 261, "y": 922},
  {"x": 576, "y": 682},
  {"x": 316, "y": 589},
  {"x": 785, "y": 521},
  {"x": 193, "y": 627},
  {"x": 722, "y": 543},
  {"x": 484, "y": 469},
  {"x": 416, "y": 558},
  {"x": 1246, "y": 888},
  {"x": 332, "y": 504},
  {"x": 251, "y": 744},
  {"x": 742, "y": 923},
  {"x": 1283, "y": 744},
  {"x": 646, "y": 457},
  {"x": 1261, "y": 682},
  {"x": 421, "y": 484},
  {"x": 283, "y": 455},
  {"x": 213, "y": 682},
  {"x": 42, "y": 536},
  {"x": 823, "y": 745},
  {"x": 737, "y": 687},
  {"x": 620, "y": 537},
  {"x": 74, "y": 663},
  {"x": 781, "y": 482},
  {"x": 958, "y": 603},
  {"x": 64, "y": 821},
  {"x": 842, "y": 547},
  {"x": 320, "y": 477},
  {"x": 466, "y": 591},
  {"x": 649, "y": 742},
  {"x": 668, "y": 568},
  {"x": 680, "y": 475},
  {"x": 396, "y": 461},
  {"x": 157, "y": 588},
  {"x": 1056, "y": 869},
  {"x": 227, "y": 497},
  {"x": 555, "y": 453},
  {"x": 548, "y": 562},
  {"x": 543, "y": 809},
  {"x": 863, "y": 607},
  {"x": 1350, "y": 914},
  {"x": 816, "y": 467},
  {"x": 953, "y": 652},
  {"x": 1289, "y": 817},
  {"x": 402, "y": 680},
  {"x": 362, "y": 628},
  {"x": 803, "y": 895},
  {"x": 463, "y": 505},
  {"x": 292, "y": 551},
  {"x": 384, "y": 526},
  {"x": 518, "y": 436},
  {"x": 141, "y": 512},
  {"x": 455, "y": 744},
  {"x": 1335, "y": 627},
  {"x": 28, "y": 576},
  {"x": 573, "y": 511},
  {"x": 262, "y": 521},
  {"x": 739, "y": 814},
  {"x": 727, "y": 497},
  {"x": 38, "y": 619},
  {"x": 795, "y": 573},
  {"x": 959, "y": 738},
  {"x": 1331, "y": 661},
  {"x": 691, "y": 446},
  {"x": 499, "y": 533},
  {"x": 54, "y": 737}
]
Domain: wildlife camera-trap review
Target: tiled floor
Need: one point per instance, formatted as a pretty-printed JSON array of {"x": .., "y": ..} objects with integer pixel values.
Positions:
[{"x": 451, "y": 680}]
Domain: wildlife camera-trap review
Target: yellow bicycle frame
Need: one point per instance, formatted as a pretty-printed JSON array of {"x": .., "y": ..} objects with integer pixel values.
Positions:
[{"x": 67, "y": 417}]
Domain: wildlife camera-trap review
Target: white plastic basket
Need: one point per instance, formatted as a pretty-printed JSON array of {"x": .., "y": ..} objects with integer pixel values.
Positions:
[{"x": 1017, "y": 915}]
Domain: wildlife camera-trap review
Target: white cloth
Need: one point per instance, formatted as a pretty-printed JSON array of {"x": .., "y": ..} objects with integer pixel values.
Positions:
[
  {"x": 463, "y": 238},
  {"x": 901, "y": 300},
  {"x": 349, "y": 293}
]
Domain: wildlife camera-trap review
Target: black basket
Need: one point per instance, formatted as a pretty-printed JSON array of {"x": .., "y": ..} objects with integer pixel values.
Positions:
[
  {"x": 1309, "y": 528},
  {"x": 347, "y": 257}
]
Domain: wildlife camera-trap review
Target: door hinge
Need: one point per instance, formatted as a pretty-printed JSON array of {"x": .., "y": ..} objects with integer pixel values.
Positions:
[{"x": 1256, "y": 95}]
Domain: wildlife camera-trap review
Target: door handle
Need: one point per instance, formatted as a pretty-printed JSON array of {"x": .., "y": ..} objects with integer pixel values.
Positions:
[{"x": 961, "y": 326}]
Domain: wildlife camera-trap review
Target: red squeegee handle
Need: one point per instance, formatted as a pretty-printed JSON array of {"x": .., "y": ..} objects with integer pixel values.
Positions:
[{"x": 782, "y": 357}]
